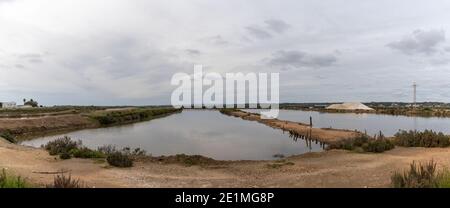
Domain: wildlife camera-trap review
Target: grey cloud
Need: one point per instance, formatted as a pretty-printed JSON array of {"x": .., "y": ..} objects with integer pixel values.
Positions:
[
  {"x": 420, "y": 42},
  {"x": 193, "y": 52},
  {"x": 440, "y": 62},
  {"x": 278, "y": 26},
  {"x": 267, "y": 31},
  {"x": 299, "y": 59},
  {"x": 258, "y": 32},
  {"x": 31, "y": 57},
  {"x": 35, "y": 60},
  {"x": 20, "y": 66},
  {"x": 215, "y": 40}
]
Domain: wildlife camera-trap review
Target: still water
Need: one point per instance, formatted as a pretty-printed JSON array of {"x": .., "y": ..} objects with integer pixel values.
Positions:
[
  {"x": 372, "y": 123},
  {"x": 195, "y": 132}
]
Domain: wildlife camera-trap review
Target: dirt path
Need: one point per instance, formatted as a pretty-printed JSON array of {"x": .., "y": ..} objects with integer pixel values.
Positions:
[
  {"x": 335, "y": 168},
  {"x": 325, "y": 135}
]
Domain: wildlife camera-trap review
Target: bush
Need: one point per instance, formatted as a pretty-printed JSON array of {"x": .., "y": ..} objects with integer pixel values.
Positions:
[
  {"x": 418, "y": 176},
  {"x": 133, "y": 153},
  {"x": 11, "y": 181},
  {"x": 61, "y": 146},
  {"x": 119, "y": 159},
  {"x": 65, "y": 156},
  {"x": 107, "y": 149},
  {"x": 377, "y": 144},
  {"x": 8, "y": 136},
  {"x": 84, "y": 152},
  {"x": 66, "y": 148},
  {"x": 61, "y": 181},
  {"x": 427, "y": 138}
]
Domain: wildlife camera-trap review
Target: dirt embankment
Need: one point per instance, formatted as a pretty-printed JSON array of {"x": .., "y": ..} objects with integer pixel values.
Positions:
[
  {"x": 325, "y": 135},
  {"x": 37, "y": 125},
  {"x": 335, "y": 168},
  {"x": 30, "y": 125}
]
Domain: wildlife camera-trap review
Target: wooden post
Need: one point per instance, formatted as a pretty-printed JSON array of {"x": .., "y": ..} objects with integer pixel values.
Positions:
[{"x": 310, "y": 127}]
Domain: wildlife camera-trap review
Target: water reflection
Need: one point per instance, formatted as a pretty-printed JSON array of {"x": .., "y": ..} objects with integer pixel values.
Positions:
[
  {"x": 203, "y": 132},
  {"x": 307, "y": 138}
]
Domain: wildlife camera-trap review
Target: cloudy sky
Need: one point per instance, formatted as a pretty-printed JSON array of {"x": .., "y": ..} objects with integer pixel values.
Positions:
[{"x": 118, "y": 52}]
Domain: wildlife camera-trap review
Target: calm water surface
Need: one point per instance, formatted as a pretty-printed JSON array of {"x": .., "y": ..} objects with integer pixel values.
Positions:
[
  {"x": 193, "y": 132},
  {"x": 372, "y": 123}
]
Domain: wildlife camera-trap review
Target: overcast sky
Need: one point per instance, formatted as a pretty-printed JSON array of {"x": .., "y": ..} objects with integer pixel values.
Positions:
[{"x": 119, "y": 52}]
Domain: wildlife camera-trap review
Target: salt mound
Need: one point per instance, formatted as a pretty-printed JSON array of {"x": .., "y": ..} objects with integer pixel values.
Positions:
[{"x": 349, "y": 106}]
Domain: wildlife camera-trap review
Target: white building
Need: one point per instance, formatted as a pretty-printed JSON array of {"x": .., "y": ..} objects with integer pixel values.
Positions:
[{"x": 7, "y": 104}]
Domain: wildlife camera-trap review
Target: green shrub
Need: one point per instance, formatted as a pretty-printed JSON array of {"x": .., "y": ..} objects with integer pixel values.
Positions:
[
  {"x": 376, "y": 144},
  {"x": 11, "y": 181},
  {"x": 418, "y": 176},
  {"x": 8, "y": 136},
  {"x": 119, "y": 159},
  {"x": 61, "y": 146},
  {"x": 84, "y": 152},
  {"x": 66, "y": 148},
  {"x": 61, "y": 181},
  {"x": 64, "y": 156},
  {"x": 427, "y": 138}
]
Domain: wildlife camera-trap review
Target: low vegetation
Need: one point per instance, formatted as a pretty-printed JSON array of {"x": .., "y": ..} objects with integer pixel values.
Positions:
[
  {"x": 279, "y": 163},
  {"x": 8, "y": 181},
  {"x": 84, "y": 152},
  {"x": 65, "y": 148},
  {"x": 364, "y": 143},
  {"x": 427, "y": 138},
  {"x": 421, "y": 176},
  {"x": 63, "y": 181},
  {"x": 107, "y": 118},
  {"x": 187, "y": 160},
  {"x": 62, "y": 147},
  {"x": 8, "y": 136},
  {"x": 119, "y": 159}
]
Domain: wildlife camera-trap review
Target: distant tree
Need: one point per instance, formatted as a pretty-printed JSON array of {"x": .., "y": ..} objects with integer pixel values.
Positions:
[{"x": 32, "y": 103}]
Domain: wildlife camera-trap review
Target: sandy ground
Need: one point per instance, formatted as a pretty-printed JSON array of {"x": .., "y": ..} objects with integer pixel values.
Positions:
[{"x": 335, "y": 168}]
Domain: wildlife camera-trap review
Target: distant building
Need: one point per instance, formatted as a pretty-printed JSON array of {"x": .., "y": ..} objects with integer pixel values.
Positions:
[
  {"x": 7, "y": 104},
  {"x": 350, "y": 106}
]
